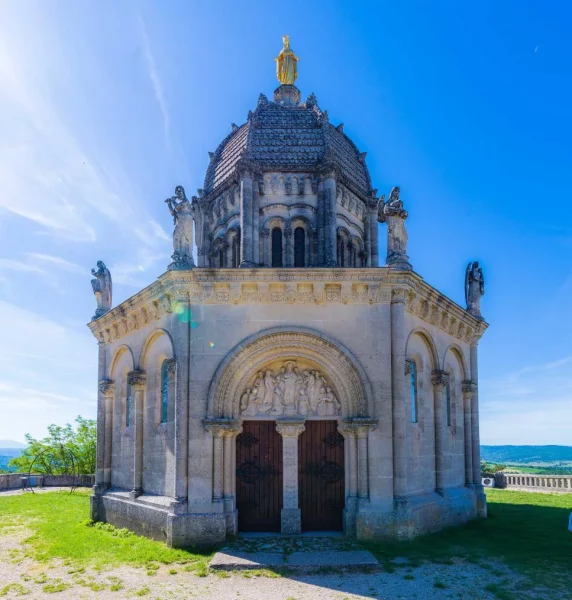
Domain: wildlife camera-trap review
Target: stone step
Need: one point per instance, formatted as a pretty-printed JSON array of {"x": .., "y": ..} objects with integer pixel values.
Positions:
[{"x": 351, "y": 559}]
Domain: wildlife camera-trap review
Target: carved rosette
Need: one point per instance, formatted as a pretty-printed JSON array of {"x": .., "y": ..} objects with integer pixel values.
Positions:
[
  {"x": 440, "y": 379},
  {"x": 136, "y": 379}
]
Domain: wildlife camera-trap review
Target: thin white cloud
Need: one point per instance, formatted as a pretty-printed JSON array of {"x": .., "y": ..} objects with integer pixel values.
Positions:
[
  {"x": 57, "y": 261},
  {"x": 155, "y": 81}
]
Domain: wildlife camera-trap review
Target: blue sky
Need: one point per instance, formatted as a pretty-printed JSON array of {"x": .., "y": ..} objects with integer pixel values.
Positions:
[{"x": 106, "y": 106}]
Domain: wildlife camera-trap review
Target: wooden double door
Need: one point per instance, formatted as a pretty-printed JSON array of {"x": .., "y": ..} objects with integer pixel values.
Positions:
[{"x": 259, "y": 476}]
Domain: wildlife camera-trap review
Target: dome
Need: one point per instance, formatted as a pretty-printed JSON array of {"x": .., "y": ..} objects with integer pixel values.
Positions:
[{"x": 287, "y": 136}]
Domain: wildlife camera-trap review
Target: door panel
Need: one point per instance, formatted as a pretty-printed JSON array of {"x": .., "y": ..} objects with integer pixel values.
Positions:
[
  {"x": 259, "y": 476},
  {"x": 321, "y": 476}
]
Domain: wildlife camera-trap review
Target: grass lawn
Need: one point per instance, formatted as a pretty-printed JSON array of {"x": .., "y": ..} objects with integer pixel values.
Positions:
[
  {"x": 62, "y": 529},
  {"x": 528, "y": 531}
]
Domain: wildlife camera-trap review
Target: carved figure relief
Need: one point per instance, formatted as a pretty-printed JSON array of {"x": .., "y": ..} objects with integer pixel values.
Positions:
[{"x": 289, "y": 392}]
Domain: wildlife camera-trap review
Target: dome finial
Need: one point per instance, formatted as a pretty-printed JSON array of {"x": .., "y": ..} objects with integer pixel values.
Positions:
[{"x": 286, "y": 64}]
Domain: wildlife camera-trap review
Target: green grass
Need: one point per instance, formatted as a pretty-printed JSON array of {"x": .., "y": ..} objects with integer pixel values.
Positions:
[
  {"x": 61, "y": 530},
  {"x": 528, "y": 531}
]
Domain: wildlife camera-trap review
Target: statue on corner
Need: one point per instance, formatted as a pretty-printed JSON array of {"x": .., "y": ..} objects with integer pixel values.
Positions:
[
  {"x": 101, "y": 288},
  {"x": 474, "y": 288},
  {"x": 183, "y": 215},
  {"x": 393, "y": 213}
]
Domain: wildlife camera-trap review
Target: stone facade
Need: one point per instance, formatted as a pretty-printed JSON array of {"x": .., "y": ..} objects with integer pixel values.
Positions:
[{"x": 325, "y": 334}]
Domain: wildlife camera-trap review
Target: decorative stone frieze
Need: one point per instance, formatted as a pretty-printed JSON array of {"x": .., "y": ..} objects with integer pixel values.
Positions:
[{"x": 247, "y": 286}]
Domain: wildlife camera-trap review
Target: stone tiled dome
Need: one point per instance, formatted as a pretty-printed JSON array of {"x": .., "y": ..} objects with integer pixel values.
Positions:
[{"x": 289, "y": 138}]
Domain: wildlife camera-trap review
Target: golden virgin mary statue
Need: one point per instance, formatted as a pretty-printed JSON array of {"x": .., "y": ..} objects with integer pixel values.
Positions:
[{"x": 286, "y": 64}]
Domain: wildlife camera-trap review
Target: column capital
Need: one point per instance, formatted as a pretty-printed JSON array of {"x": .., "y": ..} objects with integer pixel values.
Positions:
[
  {"x": 136, "y": 379},
  {"x": 290, "y": 428},
  {"x": 360, "y": 427},
  {"x": 398, "y": 295},
  {"x": 469, "y": 389},
  {"x": 222, "y": 427},
  {"x": 171, "y": 366},
  {"x": 409, "y": 366},
  {"x": 106, "y": 388},
  {"x": 439, "y": 379}
]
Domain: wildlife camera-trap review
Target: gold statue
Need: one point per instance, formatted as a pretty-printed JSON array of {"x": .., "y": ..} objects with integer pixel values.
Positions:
[{"x": 286, "y": 64}]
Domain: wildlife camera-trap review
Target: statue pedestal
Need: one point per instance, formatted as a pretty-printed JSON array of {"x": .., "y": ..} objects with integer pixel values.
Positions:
[
  {"x": 181, "y": 263},
  {"x": 287, "y": 95}
]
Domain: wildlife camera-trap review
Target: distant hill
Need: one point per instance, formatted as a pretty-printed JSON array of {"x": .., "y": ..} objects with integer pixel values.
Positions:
[
  {"x": 527, "y": 454},
  {"x": 10, "y": 444}
]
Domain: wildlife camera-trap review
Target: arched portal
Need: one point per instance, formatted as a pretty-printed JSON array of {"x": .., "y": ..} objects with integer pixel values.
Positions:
[{"x": 311, "y": 391}]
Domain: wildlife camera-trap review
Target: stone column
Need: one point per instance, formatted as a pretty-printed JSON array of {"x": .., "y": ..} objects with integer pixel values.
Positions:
[
  {"x": 288, "y": 251},
  {"x": 363, "y": 482},
  {"x": 230, "y": 433},
  {"x": 481, "y": 498},
  {"x": 136, "y": 380},
  {"x": 104, "y": 435},
  {"x": 348, "y": 430},
  {"x": 468, "y": 388},
  {"x": 399, "y": 393},
  {"x": 374, "y": 234},
  {"x": 320, "y": 225},
  {"x": 246, "y": 221},
  {"x": 330, "y": 225},
  {"x": 291, "y": 515},
  {"x": 265, "y": 233},
  {"x": 439, "y": 379}
]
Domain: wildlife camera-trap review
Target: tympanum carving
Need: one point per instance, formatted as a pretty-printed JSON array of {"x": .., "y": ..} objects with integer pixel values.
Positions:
[{"x": 289, "y": 392}]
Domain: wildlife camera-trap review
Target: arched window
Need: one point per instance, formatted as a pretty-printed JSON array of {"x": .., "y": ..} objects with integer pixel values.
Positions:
[
  {"x": 341, "y": 252},
  {"x": 299, "y": 247},
  {"x": 413, "y": 390},
  {"x": 128, "y": 406},
  {"x": 277, "y": 247},
  {"x": 164, "y": 391},
  {"x": 236, "y": 251},
  {"x": 448, "y": 403}
]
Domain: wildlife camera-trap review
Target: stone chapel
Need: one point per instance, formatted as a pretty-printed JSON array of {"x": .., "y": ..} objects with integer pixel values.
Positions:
[{"x": 287, "y": 382}]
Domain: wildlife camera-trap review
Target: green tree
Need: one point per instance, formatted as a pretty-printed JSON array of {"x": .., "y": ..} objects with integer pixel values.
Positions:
[{"x": 51, "y": 455}]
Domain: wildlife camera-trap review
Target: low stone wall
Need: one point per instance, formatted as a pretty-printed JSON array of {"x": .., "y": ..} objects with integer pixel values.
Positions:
[
  {"x": 13, "y": 481},
  {"x": 542, "y": 483}
]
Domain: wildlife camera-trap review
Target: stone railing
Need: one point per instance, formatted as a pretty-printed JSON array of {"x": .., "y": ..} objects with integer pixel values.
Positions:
[
  {"x": 13, "y": 481},
  {"x": 544, "y": 483}
]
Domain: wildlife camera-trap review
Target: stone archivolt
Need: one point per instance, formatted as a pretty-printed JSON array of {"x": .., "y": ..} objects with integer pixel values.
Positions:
[{"x": 289, "y": 392}]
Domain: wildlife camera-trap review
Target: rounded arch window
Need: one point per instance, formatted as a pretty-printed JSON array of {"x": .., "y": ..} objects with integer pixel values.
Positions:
[
  {"x": 299, "y": 247},
  {"x": 276, "y": 247}
]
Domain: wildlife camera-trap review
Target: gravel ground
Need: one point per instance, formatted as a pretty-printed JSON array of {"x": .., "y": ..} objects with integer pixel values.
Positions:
[{"x": 429, "y": 581}]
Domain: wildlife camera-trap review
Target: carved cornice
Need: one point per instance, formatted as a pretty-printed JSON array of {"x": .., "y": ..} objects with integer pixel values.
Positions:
[
  {"x": 439, "y": 379},
  {"x": 310, "y": 285}
]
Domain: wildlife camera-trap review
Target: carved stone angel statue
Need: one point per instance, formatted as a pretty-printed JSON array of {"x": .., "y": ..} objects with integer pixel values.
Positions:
[
  {"x": 183, "y": 215},
  {"x": 474, "y": 288},
  {"x": 101, "y": 288},
  {"x": 393, "y": 213}
]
